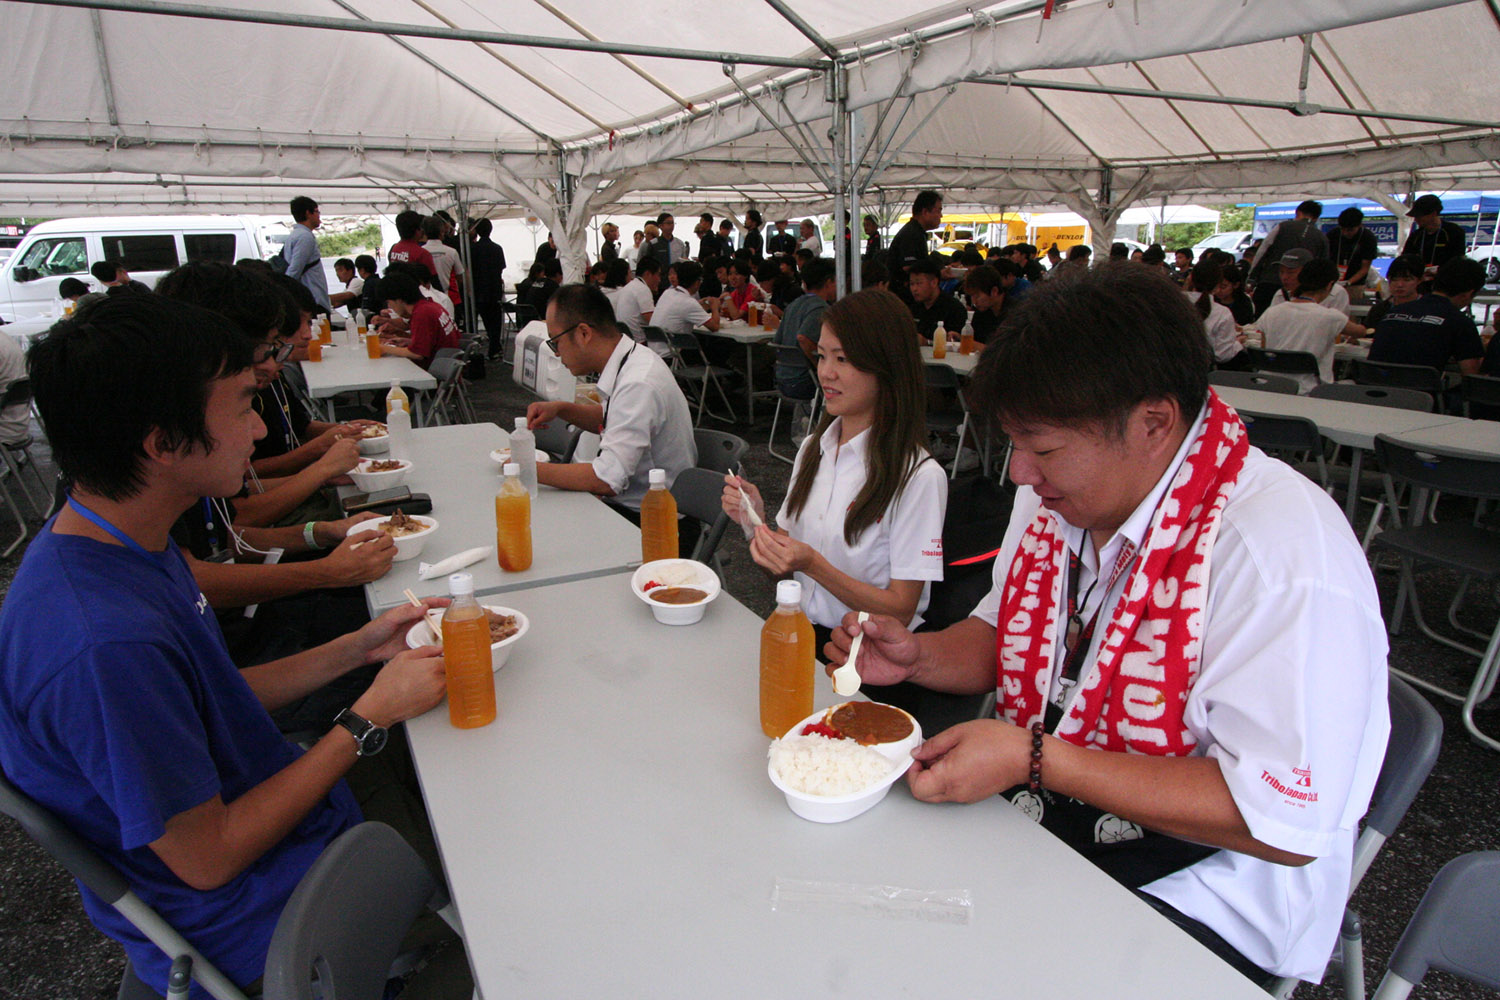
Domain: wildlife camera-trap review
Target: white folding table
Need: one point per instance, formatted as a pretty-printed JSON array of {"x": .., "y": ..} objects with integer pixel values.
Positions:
[
  {"x": 347, "y": 368},
  {"x": 614, "y": 833},
  {"x": 573, "y": 535}
]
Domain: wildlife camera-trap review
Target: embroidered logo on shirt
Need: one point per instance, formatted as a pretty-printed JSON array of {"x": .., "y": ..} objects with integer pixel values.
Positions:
[{"x": 202, "y": 603}]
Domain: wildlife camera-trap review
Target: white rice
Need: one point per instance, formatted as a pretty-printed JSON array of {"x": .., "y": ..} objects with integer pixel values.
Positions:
[{"x": 817, "y": 765}]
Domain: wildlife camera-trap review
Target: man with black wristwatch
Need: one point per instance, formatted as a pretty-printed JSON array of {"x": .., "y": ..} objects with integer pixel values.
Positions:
[{"x": 122, "y": 710}]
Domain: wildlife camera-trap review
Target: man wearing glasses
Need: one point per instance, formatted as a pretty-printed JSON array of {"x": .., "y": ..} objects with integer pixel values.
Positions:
[{"x": 644, "y": 422}]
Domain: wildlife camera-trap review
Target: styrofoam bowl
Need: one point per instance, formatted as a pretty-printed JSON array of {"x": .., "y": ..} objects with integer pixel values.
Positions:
[
  {"x": 369, "y": 482},
  {"x": 702, "y": 577},
  {"x": 502, "y": 455},
  {"x": 420, "y": 634},
  {"x": 376, "y": 445},
  {"x": 838, "y": 808},
  {"x": 407, "y": 546}
]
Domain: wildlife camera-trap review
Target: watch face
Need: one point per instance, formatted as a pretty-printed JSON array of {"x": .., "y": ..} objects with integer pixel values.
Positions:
[{"x": 374, "y": 742}]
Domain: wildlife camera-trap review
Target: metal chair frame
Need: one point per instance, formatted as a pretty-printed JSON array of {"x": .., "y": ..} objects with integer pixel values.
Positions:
[{"x": 784, "y": 353}]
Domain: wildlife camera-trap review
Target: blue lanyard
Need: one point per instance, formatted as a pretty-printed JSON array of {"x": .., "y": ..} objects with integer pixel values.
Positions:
[{"x": 124, "y": 539}]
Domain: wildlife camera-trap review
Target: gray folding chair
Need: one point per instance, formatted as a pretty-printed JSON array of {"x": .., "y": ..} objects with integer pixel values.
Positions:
[
  {"x": 1481, "y": 390},
  {"x": 1415, "y": 741},
  {"x": 1375, "y": 395},
  {"x": 1288, "y": 436},
  {"x": 342, "y": 928},
  {"x": 1454, "y": 930},
  {"x": 17, "y": 453},
  {"x": 1419, "y": 377},
  {"x": 720, "y": 451},
  {"x": 697, "y": 374},
  {"x": 559, "y": 439},
  {"x": 106, "y": 882},
  {"x": 698, "y": 492},
  {"x": 1284, "y": 362},
  {"x": 791, "y": 355},
  {"x": 1254, "y": 380},
  {"x": 941, "y": 377},
  {"x": 1471, "y": 550},
  {"x": 450, "y": 397}
]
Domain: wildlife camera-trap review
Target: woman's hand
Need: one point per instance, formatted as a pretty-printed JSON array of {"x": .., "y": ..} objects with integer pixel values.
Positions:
[
  {"x": 779, "y": 553},
  {"x": 734, "y": 487}
]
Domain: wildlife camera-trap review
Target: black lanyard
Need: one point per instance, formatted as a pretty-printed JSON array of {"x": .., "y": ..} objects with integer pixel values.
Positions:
[
  {"x": 1080, "y": 634},
  {"x": 604, "y": 419}
]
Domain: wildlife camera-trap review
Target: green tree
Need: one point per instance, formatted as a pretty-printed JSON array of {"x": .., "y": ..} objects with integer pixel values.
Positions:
[
  {"x": 341, "y": 244},
  {"x": 1232, "y": 218}
]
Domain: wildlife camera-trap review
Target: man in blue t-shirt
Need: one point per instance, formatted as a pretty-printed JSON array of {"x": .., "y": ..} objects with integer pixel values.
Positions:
[
  {"x": 1435, "y": 329},
  {"x": 120, "y": 709}
]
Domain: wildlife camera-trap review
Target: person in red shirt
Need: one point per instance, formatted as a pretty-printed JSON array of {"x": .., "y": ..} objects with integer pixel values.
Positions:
[
  {"x": 430, "y": 325},
  {"x": 409, "y": 248}
]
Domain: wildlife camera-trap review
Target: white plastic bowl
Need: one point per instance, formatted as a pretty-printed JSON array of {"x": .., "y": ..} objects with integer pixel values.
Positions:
[
  {"x": 502, "y": 455},
  {"x": 420, "y": 634},
  {"x": 378, "y": 445},
  {"x": 838, "y": 808},
  {"x": 369, "y": 482},
  {"x": 407, "y": 546},
  {"x": 702, "y": 577}
]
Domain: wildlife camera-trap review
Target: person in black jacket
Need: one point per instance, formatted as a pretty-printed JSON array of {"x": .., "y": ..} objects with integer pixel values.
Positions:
[{"x": 487, "y": 262}]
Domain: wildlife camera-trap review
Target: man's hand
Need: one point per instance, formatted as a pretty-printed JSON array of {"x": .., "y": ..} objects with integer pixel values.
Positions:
[
  {"x": 887, "y": 656},
  {"x": 410, "y": 684},
  {"x": 360, "y": 558},
  {"x": 385, "y": 637},
  {"x": 539, "y": 415},
  {"x": 970, "y": 762},
  {"x": 333, "y": 532},
  {"x": 341, "y": 456},
  {"x": 779, "y": 553}
]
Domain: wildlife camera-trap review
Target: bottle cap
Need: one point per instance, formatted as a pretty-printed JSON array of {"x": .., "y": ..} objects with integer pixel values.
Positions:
[
  {"x": 512, "y": 468},
  {"x": 788, "y": 592},
  {"x": 520, "y": 423},
  {"x": 396, "y": 383},
  {"x": 657, "y": 477},
  {"x": 460, "y": 584}
]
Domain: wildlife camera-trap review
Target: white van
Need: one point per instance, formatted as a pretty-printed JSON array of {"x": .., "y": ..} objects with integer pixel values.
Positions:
[{"x": 147, "y": 245}]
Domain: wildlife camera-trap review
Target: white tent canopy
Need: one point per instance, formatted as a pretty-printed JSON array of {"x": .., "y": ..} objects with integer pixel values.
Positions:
[{"x": 541, "y": 104}]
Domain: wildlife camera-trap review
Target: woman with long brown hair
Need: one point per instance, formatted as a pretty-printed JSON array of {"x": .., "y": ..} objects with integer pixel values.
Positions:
[{"x": 862, "y": 525}]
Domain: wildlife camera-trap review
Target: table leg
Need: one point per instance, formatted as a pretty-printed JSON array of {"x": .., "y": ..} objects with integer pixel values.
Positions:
[
  {"x": 750, "y": 381},
  {"x": 1351, "y": 502},
  {"x": 331, "y": 418}
]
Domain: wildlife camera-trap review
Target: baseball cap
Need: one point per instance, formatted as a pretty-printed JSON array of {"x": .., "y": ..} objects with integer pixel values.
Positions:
[
  {"x": 1296, "y": 257},
  {"x": 1425, "y": 205}
]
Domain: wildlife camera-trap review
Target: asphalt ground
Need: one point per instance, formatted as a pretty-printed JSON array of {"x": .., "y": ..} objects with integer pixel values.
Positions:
[{"x": 48, "y": 949}]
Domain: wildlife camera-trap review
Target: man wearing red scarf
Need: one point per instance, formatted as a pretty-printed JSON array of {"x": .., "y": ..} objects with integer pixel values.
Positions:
[{"x": 1183, "y": 634}]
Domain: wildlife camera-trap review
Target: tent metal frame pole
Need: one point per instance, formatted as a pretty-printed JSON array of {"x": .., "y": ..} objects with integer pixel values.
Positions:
[
  {"x": 104, "y": 75},
  {"x": 824, "y": 45},
  {"x": 856, "y": 240},
  {"x": 446, "y": 72},
  {"x": 1292, "y": 107},
  {"x": 163, "y": 7},
  {"x": 875, "y": 137},
  {"x": 793, "y": 143},
  {"x": 461, "y": 213},
  {"x": 390, "y": 146},
  {"x": 840, "y": 210},
  {"x": 884, "y": 160}
]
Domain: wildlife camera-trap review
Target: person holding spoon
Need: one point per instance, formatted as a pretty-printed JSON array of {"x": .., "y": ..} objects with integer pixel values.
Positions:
[{"x": 862, "y": 525}]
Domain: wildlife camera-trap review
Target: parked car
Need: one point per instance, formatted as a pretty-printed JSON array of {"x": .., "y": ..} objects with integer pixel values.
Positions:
[
  {"x": 1234, "y": 242},
  {"x": 148, "y": 246},
  {"x": 1489, "y": 256}
]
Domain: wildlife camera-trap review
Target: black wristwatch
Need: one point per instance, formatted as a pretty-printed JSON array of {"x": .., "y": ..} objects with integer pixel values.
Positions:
[{"x": 369, "y": 739}]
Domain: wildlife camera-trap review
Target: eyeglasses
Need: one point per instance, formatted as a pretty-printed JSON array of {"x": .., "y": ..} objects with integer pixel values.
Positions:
[
  {"x": 552, "y": 342},
  {"x": 278, "y": 351}
]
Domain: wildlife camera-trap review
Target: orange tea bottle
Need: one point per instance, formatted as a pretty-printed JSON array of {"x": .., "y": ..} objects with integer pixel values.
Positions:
[
  {"x": 315, "y": 350},
  {"x": 372, "y": 345},
  {"x": 466, "y": 657},
  {"x": 513, "y": 522},
  {"x": 787, "y": 663},
  {"x": 658, "y": 520}
]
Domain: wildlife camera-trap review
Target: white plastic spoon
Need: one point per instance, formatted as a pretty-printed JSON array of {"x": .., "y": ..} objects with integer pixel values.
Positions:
[{"x": 846, "y": 677}]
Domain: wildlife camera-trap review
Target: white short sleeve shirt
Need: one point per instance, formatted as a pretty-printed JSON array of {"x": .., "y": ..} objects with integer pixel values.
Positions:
[
  {"x": 631, "y": 302},
  {"x": 1337, "y": 299},
  {"x": 677, "y": 311},
  {"x": 1304, "y": 326},
  {"x": 1291, "y": 701},
  {"x": 905, "y": 544},
  {"x": 647, "y": 424}
]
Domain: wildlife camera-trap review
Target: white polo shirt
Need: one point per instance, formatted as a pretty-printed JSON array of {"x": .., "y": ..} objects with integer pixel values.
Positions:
[
  {"x": 1304, "y": 326},
  {"x": 631, "y": 301},
  {"x": 677, "y": 311},
  {"x": 1337, "y": 299},
  {"x": 1223, "y": 335},
  {"x": 647, "y": 424},
  {"x": 1290, "y": 699},
  {"x": 905, "y": 544}
]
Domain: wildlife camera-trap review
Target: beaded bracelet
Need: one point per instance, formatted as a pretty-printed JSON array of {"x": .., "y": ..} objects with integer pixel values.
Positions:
[{"x": 1035, "y": 784}]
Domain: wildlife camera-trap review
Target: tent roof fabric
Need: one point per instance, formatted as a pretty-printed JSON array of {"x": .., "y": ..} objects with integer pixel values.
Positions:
[{"x": 964, "y": 101}]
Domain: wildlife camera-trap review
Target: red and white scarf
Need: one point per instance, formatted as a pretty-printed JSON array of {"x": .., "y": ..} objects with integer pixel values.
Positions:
[{"x": 1132, "y": 696}]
